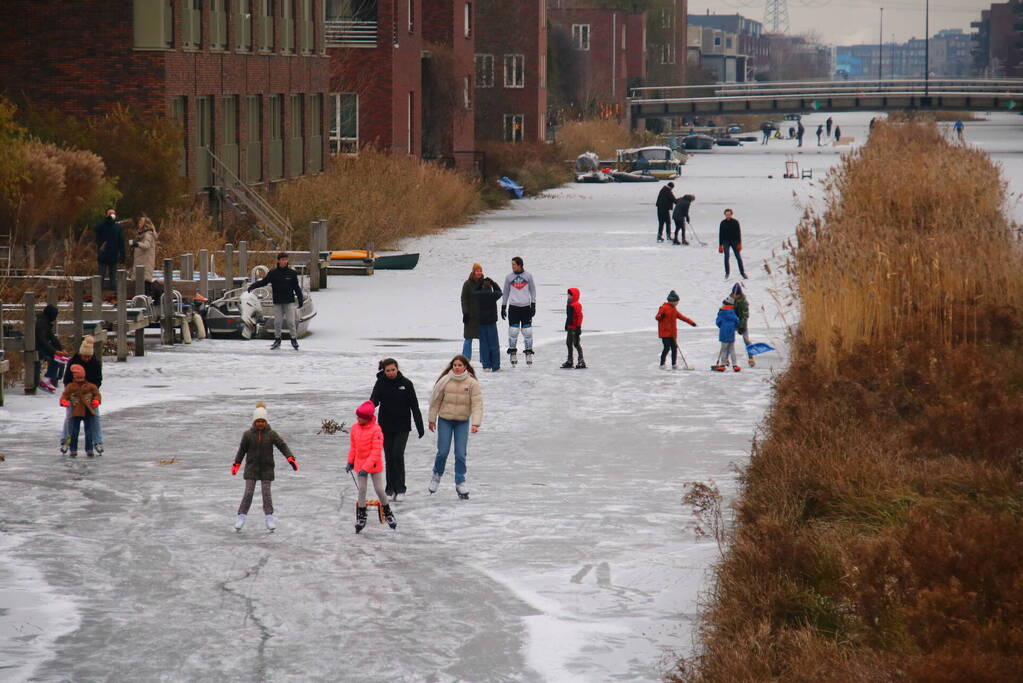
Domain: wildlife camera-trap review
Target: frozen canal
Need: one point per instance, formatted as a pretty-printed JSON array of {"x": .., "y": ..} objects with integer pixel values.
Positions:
[{"x": 571, "y": 561}]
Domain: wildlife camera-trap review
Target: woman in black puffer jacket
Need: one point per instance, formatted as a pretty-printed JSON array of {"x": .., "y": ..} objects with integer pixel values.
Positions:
[{"x": 396, "y": 396}]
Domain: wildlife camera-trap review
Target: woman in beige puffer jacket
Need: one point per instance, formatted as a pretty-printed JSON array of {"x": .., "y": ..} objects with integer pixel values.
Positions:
[{"x": 456, "y": 409}]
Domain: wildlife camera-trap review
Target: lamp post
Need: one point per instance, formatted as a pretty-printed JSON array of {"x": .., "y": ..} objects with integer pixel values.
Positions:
[
  {"x": 927, "y": 48},
  {"x": 880, "y": 49}
]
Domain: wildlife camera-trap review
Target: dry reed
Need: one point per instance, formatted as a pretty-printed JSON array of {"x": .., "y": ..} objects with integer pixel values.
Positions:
[{"x": 600, "y": 136}]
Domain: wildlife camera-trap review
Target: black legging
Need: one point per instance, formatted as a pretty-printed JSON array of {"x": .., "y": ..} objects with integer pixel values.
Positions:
[
  {"x": 680, "y": 227},
  {"x": 663, "y": 222},
  {"x": 572, "y": 338},
  {"x": 669, "y": 345},
  {"x": 394, "y": 461},
  {"x": 106, "y": 269}
]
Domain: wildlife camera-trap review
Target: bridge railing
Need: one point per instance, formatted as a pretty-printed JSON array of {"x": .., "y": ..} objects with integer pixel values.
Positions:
[{"x": 814, "y": 88}]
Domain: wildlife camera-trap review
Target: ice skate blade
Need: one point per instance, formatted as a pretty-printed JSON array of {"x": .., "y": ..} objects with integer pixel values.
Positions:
[{"x": 463, "y": 496}]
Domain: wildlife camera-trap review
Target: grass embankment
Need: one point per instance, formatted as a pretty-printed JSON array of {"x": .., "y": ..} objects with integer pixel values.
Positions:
[{"x": 880, "y": 520}]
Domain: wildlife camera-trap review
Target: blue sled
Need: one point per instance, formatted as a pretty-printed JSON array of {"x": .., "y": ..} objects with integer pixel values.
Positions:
[
  {"x": 513, "y": 187},
  {"x": 758, "y": 348}
]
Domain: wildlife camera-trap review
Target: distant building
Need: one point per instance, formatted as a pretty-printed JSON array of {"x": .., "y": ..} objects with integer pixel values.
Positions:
[
  {"x": 794, "y": 58},
  {"x": 752, "y": 43},
  {"x": 949, "y": 58},
  {"x": 716, "y": 53},
  {"x": 667, "y": 43},
  {"x": 998, "y": 43},
  {"x": 511, "y": 70},
  {"x": 246, "y": 80},
  {"x": 449, "y": 120}
]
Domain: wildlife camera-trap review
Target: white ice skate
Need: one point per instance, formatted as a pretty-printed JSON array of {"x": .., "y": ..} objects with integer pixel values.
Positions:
[
  {"x": 271, "y": 523},
  {"x": 239, "y": 523},
  {"x": 434, "y": 483},
  {"x": 462, "y": 489},
  {"x": 529, "y": 356}
]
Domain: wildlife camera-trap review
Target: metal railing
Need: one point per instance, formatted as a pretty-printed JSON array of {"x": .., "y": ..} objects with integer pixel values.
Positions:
[
  {"x": 274, "y": 224},
  {"x": 346, "y": 33},
  {"x": 812, "y": 88}
]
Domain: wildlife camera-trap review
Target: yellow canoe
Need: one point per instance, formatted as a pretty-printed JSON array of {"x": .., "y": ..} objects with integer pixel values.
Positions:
[{"x": 349, "y": 254}]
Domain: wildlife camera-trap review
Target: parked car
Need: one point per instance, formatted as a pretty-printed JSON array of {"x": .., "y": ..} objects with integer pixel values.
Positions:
[
  {"x": 734, "y": 128},
  {"x": 793, "y": 117}
]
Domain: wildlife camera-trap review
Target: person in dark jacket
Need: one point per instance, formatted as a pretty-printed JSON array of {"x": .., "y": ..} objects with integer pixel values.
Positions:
[
  {"x": 681, "y": 216},
  {"x": 109, "y": 247},
  {"x": 470, "y": 309},
  {"x": 820, "y": 132},
  {"x": 838, "y": 134},
  {"x": 487, "y": 297},
  {"x": 730, "y": 238},
  {"x": 257, "y": 450},
  {"x": 396, "y": 396},
  {"x": 665, "y": 201},
  {"x": 86, "y": 357},
  {"x": 49, "y": 347},
  {"x": 828, "y": 124},
  {"x": 286, "y": 289},
  {"x": 800, "y": 131}
]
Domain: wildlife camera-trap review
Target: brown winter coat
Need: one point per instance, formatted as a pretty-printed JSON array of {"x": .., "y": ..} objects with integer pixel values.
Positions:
[
  {"x": 81, "y": 395},
  {"x": 145, "y": 248},
  {"x": 457, "y": 399},
  {"x": 257, "y": 449}
]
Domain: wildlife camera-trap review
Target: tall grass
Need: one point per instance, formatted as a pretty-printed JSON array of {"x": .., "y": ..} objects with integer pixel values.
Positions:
[
  {"x": 600, "y": 136},
  {"x": 880, "y": 517},
  {"x": 375, "y": 199}
]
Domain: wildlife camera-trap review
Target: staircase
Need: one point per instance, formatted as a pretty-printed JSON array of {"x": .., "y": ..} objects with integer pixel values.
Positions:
[
  {"x": 5, "y": 254},
  {"x": 247, "y": 203}
]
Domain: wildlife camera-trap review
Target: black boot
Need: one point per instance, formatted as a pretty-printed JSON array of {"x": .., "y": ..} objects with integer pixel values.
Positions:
[
  {"x": 360, "y": 518},
  {"x": 567, "y": 365},
  {"x": 389, "y": 517},
  {"x": 276, "y": 344}
]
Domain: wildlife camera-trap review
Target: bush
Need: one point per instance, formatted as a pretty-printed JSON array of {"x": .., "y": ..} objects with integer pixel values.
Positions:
[
  {"x": 535, "y": 166},
  {"x": 601, "y": 137}
]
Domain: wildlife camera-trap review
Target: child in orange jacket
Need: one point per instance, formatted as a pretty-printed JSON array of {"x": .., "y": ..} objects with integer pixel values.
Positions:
[
  {"x": 667, "y": 329},
  {"x": 82, "y": 397},
  {"x": 365, "y": 454}
]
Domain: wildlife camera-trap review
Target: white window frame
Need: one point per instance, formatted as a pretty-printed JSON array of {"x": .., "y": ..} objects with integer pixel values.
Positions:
[
  {"x": 667, "y": 18},
  {"x": 487, "y": 70},
  {"x": 467, "y": 19},
  {"x": 581, "y": 37},
  {"x": 411, "y": 16},
  {"x": 513, "y": 119},
  {"x": 467, "y": 92},
  {"x": 667, "y": 53},
  {"x": 510, "y": 62},
  {"x": 543, "y": 71},
  {"x": 339, "y": 144}
]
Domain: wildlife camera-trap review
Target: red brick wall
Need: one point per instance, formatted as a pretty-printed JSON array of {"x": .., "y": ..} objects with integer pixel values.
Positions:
[
  {"x": 604, "y": 67},
  {"x": 676, "y": 34},
  {"x": 635, "y": 47},
  {"x": 444, "y": 24},
  {"x": 512, "y": 28}
]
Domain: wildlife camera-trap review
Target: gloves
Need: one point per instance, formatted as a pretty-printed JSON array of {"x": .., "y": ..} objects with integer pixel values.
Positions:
[
  {"x": 95, "y": 403},
  {"x": 294, "y": 465},
  {"x": 234, "y": 468},
  {"x": 465, "y": 319},
  {"x": 66, "y": 403},
  {"x": 532, "y": 309},
  {"x": 721, "y": 248},
  {"x": 740, "y": 246},
  {"x": 421, "y": 432},
  {"x": 504, "y": 312},
  {"x": 349, "y": 467},
  {"x": 692, "y": 324}
]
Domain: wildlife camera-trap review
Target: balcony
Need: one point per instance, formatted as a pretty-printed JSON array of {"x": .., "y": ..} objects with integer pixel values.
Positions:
[{"x": 348, "y": 33}]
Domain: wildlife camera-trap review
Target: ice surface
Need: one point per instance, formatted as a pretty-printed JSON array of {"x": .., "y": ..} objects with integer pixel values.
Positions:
[{"x": 571, "y": 560}]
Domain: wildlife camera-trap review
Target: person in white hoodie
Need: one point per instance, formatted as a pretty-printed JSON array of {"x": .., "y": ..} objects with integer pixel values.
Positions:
[{"x": 518, "y": 306}]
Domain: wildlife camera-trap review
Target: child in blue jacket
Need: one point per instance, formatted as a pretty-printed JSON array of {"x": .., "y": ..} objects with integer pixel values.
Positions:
[{"x": 727, "y": 322}]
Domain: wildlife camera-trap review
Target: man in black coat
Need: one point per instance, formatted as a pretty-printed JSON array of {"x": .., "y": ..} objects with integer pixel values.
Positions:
[
  {"x": 109, "y": 247},
  {"x": 730, "y": 238},
  {"x": 286, "y": 289},
  {"x": 665, "y": 201},
  {"x": 48, "y": 345}
]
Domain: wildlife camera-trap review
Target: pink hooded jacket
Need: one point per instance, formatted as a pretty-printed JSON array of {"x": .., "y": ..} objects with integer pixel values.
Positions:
[{"x": 367, "y": 447}]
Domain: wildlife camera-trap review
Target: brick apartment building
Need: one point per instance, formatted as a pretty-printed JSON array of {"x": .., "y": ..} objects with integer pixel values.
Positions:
[
  {"x": 511, "y": 70},
  {"x": 606, "y": 52},
  {"x": 667, "y": 43},
  {"x": 449, "y": 123},
  {"x": 375, "y": 48},
  {"x": 998, "y": 42},
  {"x": 751, "y": 44},
  {"x": 247, "y": 79}
]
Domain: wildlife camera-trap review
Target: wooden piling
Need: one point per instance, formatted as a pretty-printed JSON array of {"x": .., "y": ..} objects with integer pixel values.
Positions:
[
  {"x": 3, "y": 357},
  {"x": 28, "y": 349},
  {"x": 187, "y": 270},
  {"x": 97, "y": 296},
  {"x": 313, "y": 267},
  {"x": 140, "y": 289},
  {"x": 122, "y": 315},
  {"x": 204, "y": 273},
  {"x": 77, "y": 313},
  {"x": 51, "y": 295},
  {"x": 167, "y": 301},
  {"x": 229, "y": 265},
  {"x": 243, "y": 259}
]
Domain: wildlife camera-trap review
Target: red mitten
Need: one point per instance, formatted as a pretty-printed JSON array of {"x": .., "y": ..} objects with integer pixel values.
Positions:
[
  {"x": 721, "y": 249},
  {"x": 95, "y": 403},
  {"x": 692, "y": 324},
  {"x": 740, "y": 246},
  {"x": 294, "y": 465},
  {"x": 66, "y": 403},
  {"x": 234, "y": 468}
]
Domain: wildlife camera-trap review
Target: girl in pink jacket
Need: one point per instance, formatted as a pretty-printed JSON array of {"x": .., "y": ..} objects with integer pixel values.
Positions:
[{"x": 365, "y": 455}]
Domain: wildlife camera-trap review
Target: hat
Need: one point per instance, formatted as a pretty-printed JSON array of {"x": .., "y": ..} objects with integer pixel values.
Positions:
[
  {"x": 87, "y": 348},
  {"x": 672, "y": 296},
  {"x": 281, "y": 255},
  {"x": 78, "y": 371},
  {"x": 260, "y": 412},
  {"x": 737, "y": 289},
  {"x": 366, "y": 410},
  {"x": 728, "y": 301},
  {"x": 671, "y": 184}
]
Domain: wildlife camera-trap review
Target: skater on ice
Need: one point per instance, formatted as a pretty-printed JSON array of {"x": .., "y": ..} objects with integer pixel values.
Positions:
[
  {"x": 518, "y": 306},
  {"x": 681, "y": 216},
  {"x": 667, "y": 329},
  {"x": 82, "y": 397},
  {"x": 257, "y": 450},
  {"x": 741, "y": 304},
  {"x": 365, "y": 456},
  {"x": 49, "y": 347},
  {"x": 486, "y": 298},
  {"x": 396, "y": 396},
  {"x": 727, "y": 322},
  {"x": 730, "y": 239},
  {"x": 286, "y": 289},
  {"x": 456, "y": 410},
  {"x": 820, "y": 132},
  {"x": 574, "y": 329},
  {"x": 86, "y": 357},
  {"x": 470, "y": 309},
  {"x": 665, "y": 201}
]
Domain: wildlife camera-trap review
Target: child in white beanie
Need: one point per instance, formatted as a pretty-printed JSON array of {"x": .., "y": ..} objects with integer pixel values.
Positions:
[{"x": 257, "y": 450}]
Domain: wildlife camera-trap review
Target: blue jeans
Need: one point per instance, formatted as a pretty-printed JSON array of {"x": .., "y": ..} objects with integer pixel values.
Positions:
[
  {"x": 467, "y": 348},
  {"x": 97, "y": 428},
  {"x": 490, "y": 347},
  {"x": 734, "y": 248},
  {"x": 446, "y": 429},
  {"x": 76, "y": 425}
]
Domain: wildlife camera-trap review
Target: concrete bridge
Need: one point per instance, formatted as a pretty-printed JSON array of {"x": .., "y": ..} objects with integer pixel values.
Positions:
[{"x": 800, "y": 97}]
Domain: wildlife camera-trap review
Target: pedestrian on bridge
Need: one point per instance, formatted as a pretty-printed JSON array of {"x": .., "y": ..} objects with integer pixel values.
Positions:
[
  {"x": 800, "y": 131},
  {"x": 829, "y": 123},
  {"x": 838, "y": 135},
  {"x": 820, "y": 132}
]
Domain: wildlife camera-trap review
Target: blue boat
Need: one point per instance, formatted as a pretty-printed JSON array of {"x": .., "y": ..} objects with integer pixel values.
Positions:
[{"x": 514, "y": 189}]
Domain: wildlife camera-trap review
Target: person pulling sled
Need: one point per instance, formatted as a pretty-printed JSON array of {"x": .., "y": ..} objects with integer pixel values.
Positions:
[{"x": 365, "y": 456}]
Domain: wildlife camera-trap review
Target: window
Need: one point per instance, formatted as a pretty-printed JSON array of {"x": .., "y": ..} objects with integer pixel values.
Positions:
[
  {"x": 244, "y": 34},
  {"x": 623, "y": 36},
  {"x": 728, "y": 43},
  {"x": 411, "y": 16},
  {"x": 254, "y": 152},
  {"x": 266, "y": 33},
  {"x": 308, "y": 27},
  {"x": 484, "y": 71},
  {"x": 667, "y": 53},
  {"x": 717, "y": 41},
  {"x": 513, "y": 125},
  {"x": 288, "y": 25},
  {"x": 581, "y": 36},
  {"x": 296, "y": 153},
  {"x": 229, "y": 131},
  {"x": 153, "y": 24},
  {"x": 218, "y": 24},
  {"x": 276, "y": 137},
  {"x": 344, "y": 123},
  {"x": 193, "y": 24},
  {"x": 466, "y": 93},
  {"x": 179, "y": 112},
  {"x": 543, "y": 70},
  {"x": 411, "y": 121},
  {"x": 315, "y": 161},
  {"x": 467, "y": 19},
  {"x": 514, "y": 71},
  {"x": 666, "y": 18}
]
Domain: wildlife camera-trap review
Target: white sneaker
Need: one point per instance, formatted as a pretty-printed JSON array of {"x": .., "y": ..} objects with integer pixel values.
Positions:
[
  {"x": 663, "y": 366},
  {"x": 239, "y": 523},
  {"x": 271, "y": 523},
  {"x": 434, "y": 483},
  {"x": 675, "y": 367},
  {"x": 462, "y": 489}
]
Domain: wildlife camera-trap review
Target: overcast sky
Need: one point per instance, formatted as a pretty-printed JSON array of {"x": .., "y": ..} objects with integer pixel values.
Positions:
[{"x": 847, "y": 22}]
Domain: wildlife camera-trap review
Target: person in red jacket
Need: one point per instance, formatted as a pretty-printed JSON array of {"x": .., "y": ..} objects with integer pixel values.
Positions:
[
  {"x": 365, "y": 455},
  {"x": 667, "y": 329},
  {"x": 573, "y": 328}
]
